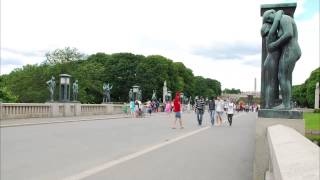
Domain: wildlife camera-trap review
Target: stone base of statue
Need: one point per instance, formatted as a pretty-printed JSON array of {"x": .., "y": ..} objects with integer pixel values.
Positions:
[
  {"x": 261, "y": 159},
  {"x": 287, "y": 114}
]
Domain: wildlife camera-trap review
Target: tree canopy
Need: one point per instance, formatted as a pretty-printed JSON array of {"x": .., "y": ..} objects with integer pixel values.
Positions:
[
  {"x": 122, "y": 70},
  {"x": 304, "y": 94},
  {"x": 232, "y": 91}
]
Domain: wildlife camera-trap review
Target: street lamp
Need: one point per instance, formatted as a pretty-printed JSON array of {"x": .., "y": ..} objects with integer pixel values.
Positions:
[
  {"x": 64, "y": 94},
  {"x": 169, "y": 95},
  {"x": 135, "y": 90}
]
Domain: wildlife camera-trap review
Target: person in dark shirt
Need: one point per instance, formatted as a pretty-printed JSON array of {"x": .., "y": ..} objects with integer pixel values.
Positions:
[
  {"x": 211, "y": 110},
  {"x": 200, "y": 109}
]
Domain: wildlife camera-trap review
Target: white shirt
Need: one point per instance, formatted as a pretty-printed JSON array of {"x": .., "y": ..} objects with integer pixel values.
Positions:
[
  {"x": 230, "y": 108},
  {"x": 219, "y": 106}
]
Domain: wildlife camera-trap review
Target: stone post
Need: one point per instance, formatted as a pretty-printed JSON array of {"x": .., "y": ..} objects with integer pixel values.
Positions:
[
  {"x": 54, "y": 112},
  {"x": 67, "y": 109},
  {"x": 316, "y": 96},
  {"x": 77, "y": 109}
]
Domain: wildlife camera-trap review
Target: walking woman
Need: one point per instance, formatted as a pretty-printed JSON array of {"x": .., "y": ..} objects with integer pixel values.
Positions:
[
  {"x": 219, "y": 110},
  {"x": 168, "y": 107},
  {"x": 177, "y": 111},
  {"x": 230, "y": 111}
]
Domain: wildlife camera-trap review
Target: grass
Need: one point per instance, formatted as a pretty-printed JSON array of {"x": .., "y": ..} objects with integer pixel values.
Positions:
[{"x": 312, "y": 122}]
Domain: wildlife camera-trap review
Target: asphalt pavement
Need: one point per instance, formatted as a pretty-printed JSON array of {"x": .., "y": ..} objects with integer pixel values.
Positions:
[{"x": 63, "y": 150}]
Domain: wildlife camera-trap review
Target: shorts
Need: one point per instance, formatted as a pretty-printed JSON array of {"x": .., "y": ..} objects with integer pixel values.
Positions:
[
  {"x": 219, "y": 113},
  {"x": 178, "y": 115}
]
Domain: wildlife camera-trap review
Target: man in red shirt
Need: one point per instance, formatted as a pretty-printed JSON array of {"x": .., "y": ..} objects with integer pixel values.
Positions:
[{"x": 177, "y": 110}]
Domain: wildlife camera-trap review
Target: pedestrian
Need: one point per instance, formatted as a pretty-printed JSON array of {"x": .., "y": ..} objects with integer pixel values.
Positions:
[
  {"x": 132, "y": 108},
  {"x": 177, "y": 110},
  {"x": 230, "y": 111},
  {"x": 168, "y": 107},
  {"x": 219, "y": 110},
  {"x": 211, "y": 110},
  {"x": 136, "y": 108},
  {"x": 200, "y": 110},
  {"x": 149, "y": 107}
]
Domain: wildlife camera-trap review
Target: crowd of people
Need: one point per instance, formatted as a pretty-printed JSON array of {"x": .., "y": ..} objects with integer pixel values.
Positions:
[{"x": 217, "y": 109}]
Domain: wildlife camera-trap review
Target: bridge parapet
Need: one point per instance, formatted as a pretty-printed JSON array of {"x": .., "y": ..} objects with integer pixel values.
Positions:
[
  {"x": 292, "y": 156},
  {"x": 44, "y": 110}
]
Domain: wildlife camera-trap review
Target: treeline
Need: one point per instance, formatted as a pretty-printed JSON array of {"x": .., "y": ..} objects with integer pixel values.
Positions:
[
  {"x": 231, "y": 91},
  {"x": 304, "y": 94},
  {"x": 122, "y": 70}
]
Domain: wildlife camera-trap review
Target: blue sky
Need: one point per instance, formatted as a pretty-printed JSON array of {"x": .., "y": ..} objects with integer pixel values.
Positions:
[{"x": 216, "y": 39}]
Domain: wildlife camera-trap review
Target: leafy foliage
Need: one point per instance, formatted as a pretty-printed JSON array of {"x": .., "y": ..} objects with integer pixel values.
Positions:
[
  {"x": 304, "y": 94},
  {"x": 122, "y": 70},
  {"x": 231, "y": 91}
]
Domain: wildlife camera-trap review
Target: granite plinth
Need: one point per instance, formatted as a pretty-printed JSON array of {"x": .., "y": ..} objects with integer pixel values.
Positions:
[{"x": 287, "y": 114}]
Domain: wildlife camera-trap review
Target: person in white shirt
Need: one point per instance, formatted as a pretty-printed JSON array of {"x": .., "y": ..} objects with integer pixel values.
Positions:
[
  {"x": 230, "y": 111},
  {"x": 219, "y": 110}
]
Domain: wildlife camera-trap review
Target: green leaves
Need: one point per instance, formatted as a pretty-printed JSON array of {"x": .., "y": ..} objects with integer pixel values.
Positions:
[
  {"x": 122, "y": 70},
  {"x": 304, "y": 94}
]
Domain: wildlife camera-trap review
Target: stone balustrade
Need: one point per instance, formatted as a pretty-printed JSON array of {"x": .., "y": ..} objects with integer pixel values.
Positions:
[
  {"x": 24, "y": 110},
  {"x": 43, "y": 110},
  {"x": 292, "y": 156}
]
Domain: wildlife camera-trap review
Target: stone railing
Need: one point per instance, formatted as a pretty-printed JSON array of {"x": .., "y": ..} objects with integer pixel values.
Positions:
[
  {"x": 24, "y": 110},
  {"x": 43, "y": 110},
  {"x": 292, "y": 156}
]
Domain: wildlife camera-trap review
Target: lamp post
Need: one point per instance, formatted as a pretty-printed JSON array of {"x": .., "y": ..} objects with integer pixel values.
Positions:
[
  {"x": 135, "y": 90},
  {"x": 64, "y": 94},
  {"x": 169, "y": 96}
]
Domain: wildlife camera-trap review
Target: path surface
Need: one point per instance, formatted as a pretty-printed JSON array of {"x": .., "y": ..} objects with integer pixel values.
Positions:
[{"x": 62, "y": 150}]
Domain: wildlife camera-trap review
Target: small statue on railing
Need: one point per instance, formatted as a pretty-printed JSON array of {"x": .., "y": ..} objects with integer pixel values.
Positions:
[
  {"x": 75, "y": 90},
  {"x": 131, "y": 95},
  {"x": 51, "y": 86},
  {"x": 154, "y": 96},
  {"x": 106, "y": 92},
  {"x": 139, "y": 95}
]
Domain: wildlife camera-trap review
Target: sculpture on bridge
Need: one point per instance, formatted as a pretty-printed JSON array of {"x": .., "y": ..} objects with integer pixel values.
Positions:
[
  {"x": 154, "y": 97},
  {"x": 75, "y": 90},
  {"x": 131, "y": 95},
  {"x": 283, "y": 51},
  {"x": 51, "y": 85},
  {"x": 106, "y": 92}
]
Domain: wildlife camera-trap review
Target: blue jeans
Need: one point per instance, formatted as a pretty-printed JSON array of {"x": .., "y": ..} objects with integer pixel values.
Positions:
[
  {"x": 199, "y": 117},
  {"x": 212, "y": 113}
]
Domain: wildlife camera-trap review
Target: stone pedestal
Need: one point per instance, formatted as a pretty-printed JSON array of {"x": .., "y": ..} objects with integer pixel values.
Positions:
[
  {"x": 261, "y": 160},
  {"x": 54, "y": 109},
  {"x": 287, "y": 114},
  {"x": 67, "y": 110},
  {"x": 109, "y": 108},
  {"x": 77, "y": 109}
]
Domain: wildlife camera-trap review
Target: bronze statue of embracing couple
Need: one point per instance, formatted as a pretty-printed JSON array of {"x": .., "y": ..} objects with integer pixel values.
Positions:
[{"x": 283, "y": 51}]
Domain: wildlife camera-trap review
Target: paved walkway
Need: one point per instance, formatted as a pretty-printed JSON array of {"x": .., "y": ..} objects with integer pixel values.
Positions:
[
  {"x": 38, "y": 121},
  {"x": 126, "y": 148}
]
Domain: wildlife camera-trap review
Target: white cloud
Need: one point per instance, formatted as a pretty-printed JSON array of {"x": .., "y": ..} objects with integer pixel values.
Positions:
[
  {"x": 309, "y": 43},
  {"x": 170, "y": 28}
]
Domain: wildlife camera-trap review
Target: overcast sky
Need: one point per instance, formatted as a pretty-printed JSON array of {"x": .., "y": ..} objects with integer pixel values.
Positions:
[{"x": 216, "y": 39}]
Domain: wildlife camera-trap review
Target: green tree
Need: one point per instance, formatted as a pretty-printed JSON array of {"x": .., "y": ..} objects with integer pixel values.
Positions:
[
  {"x": 122, "y": 70},
  {"x": 304, "y": 94}
]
